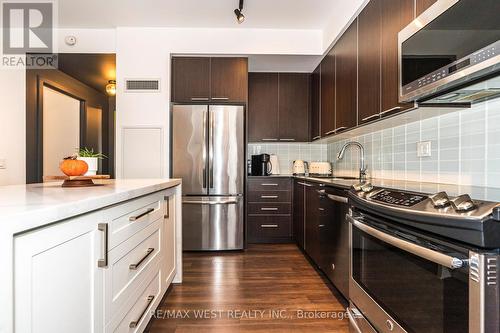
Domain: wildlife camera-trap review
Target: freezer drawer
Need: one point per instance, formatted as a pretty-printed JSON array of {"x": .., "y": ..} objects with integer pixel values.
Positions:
[{"x": 212, "y": 223}]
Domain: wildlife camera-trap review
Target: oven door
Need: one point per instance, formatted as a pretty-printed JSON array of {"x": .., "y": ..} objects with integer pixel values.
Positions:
[{"x": 405, "y": 283}]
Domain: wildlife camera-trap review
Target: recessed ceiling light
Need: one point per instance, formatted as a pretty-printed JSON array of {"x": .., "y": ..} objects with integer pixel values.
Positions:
[{"x": 238, "y": 12}]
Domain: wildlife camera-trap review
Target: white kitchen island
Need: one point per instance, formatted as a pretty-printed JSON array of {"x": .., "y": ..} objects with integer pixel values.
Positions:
[{"x": 94, "y": 259}]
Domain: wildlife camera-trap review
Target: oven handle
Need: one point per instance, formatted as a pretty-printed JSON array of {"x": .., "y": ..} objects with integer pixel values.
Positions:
[{"x": 434, "y": 256}]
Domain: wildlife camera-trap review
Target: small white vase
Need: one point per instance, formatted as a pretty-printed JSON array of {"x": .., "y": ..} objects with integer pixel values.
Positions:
[{"x": 93, "y": 164}]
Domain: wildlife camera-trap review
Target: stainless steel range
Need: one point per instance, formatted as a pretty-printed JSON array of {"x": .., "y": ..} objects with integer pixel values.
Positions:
[{"x": 423, "y": 263}]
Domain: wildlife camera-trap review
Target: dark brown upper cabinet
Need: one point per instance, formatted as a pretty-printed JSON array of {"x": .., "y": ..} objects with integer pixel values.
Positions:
[
  {"x": 422, "y": 5},
  {"x": 278, "y": 107},
  {"x": 229, "y": 80},
  {"x": 263, "y": 107},
  {"x": 327, "y": 91},
  {"x": 214, "y": 80},
  {"x": 190, "y": 79},
  {"x": 294, "y": 106},
  {"x": 369, "y": 56},
  {"x": 346, "y": 57},
  {"x": 316, "y": 104},
  {"x": 395, "y": 15}
]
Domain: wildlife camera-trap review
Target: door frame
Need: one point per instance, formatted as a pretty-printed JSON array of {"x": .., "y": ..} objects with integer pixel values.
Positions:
[{"x": 36, "y": 81}]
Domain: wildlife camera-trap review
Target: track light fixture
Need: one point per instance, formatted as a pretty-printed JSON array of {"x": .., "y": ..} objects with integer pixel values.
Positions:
[{"x": 238, "y": 12}]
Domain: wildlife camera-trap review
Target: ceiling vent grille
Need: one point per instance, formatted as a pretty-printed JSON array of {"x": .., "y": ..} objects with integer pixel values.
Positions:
[{"x": 142, "y": 85}]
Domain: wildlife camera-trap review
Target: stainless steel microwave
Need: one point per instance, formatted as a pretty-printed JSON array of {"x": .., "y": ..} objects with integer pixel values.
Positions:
[{"x": 451, "y": 53}]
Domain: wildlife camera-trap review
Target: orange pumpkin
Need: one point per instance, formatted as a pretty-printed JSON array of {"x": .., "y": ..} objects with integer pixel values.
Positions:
[{"x": 70, "y": 166}]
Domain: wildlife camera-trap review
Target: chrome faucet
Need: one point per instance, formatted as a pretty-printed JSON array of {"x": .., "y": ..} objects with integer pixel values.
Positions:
[{"x": 362, "y": 166}]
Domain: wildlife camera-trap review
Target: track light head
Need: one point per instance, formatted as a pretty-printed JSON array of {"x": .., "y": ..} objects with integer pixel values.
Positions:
[
  {"x": 239, "y": 16},
  {"x": 239, "y": 13}
]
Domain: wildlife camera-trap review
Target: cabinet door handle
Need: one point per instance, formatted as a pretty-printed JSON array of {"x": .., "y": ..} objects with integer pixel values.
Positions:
[
  {"x": 390, "y": 110},
  {"x": 317, "y": 137},
  {"x": 268, "y": 225},
  {"x": 269, "y": 139},
  {"x": 104, "y": 228},
  {"x": 269, "y": 209},
  {"x": 330, "y": 132},
  {"x": 133, "y": 267},
  {"x": 337, "y": 198},
  {"x": 371, "y": 117},
  {"x": 304, "y": 184},
  {"x": 133, "y": 324},
  {"x": 220, "y": 98},
  {"x": 269, "y": 184},
  {"x": 147, "y": 212},
  {"x": 269, "y": 197},
  {"x": 287, "y": 139},
  {"x": 194, "y": 99},
  {"x": 340, "y": 129},
  {"x": 167, "y": 202},
  {"x": 321, "y": 226}
]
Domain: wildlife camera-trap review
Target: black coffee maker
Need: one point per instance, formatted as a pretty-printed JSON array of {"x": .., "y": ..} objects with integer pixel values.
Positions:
[{"x": 261, "y": 165}]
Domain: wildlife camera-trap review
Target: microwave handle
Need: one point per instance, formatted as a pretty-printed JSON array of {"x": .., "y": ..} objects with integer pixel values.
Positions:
[{"x": 431, "y": 255}]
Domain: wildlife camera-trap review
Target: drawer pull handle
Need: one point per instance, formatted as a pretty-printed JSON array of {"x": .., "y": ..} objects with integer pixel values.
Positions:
[
  {"x": 199, "y": 99},
  {"x": 269, "y": 208},
  {"x": 220, "y": 98},
  {"x": 269, "y": 184},
  {"x": 268, "y": 225},
  {"x": 269, "y": 197},
  {"x": 139, "y": 263},
  {"x": 269, "y": 139},
  {"x": 287, "y": 139},
  {"x": 133, "y": 324},
  {"x": 147, "y": 212},
  {"x": 304, "y": 184},
  {"x": 321, "y": 226},
  {"x": 104, "y": 228}
]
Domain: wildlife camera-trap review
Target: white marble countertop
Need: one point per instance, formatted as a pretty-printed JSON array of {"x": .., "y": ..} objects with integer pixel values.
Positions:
[{"x": 24, "y": 207}]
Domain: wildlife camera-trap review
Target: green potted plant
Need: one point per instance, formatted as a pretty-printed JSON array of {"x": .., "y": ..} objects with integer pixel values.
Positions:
[{"x": 91, "y": 158}]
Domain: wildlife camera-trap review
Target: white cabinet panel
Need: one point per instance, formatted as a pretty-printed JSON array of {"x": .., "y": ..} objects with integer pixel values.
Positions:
[
  {"x": 142, "y": 151},
  {"x": 58, "y": 286}
]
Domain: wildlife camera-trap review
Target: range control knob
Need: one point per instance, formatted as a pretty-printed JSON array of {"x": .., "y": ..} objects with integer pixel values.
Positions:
[
  {"x": 367, "y": 187},
  {"x": 463, "y": 203},
  {"x": 440, "y": 200}
]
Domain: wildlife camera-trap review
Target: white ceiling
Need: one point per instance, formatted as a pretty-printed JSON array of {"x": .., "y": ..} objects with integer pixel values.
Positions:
[{"x": 269, "y": 14}]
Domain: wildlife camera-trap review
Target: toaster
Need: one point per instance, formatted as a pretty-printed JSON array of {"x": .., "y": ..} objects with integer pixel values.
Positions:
[{"x": 320, "y": 168}]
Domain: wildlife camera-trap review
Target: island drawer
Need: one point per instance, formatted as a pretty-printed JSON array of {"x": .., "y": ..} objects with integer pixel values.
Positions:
[
  {"x": 128, "y": 218},
  {"x": 129, "y": 265}
]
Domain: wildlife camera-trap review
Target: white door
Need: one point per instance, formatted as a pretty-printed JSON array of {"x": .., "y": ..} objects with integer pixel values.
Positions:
[{"x": 58, "y": 285}]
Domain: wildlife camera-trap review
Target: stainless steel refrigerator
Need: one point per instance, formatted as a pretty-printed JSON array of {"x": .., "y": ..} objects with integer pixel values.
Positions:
[{"x": 208, "y": 154}]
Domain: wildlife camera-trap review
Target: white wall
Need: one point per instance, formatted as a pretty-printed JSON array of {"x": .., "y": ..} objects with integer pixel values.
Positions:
[
  {"x": 13, "y": 126},
  {"x": 146, "y": 52},
  {"x": 340, "y": 22},
  {"x": 13, "y": 100}
]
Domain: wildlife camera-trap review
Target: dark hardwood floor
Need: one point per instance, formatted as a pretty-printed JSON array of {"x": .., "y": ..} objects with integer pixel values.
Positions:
[{"x": 242, "y": 290}]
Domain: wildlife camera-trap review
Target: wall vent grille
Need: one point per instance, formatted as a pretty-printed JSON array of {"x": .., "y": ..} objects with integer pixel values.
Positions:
[{"x": 142, "y": 85}]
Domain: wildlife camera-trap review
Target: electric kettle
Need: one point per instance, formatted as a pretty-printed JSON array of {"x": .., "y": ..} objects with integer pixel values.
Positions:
[{"x": 299, "y": 167}]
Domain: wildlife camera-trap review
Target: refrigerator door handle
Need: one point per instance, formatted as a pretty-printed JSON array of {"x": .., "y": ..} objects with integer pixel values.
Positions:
[
  {"x": 211, "y": 149},
  {"x": 205, "y": 113}
]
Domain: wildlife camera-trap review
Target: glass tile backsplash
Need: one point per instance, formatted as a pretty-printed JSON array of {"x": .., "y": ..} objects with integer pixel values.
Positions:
[{"x": 465, "y": 149}]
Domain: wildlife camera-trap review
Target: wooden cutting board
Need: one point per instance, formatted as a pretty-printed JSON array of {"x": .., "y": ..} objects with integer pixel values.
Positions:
[{"x": 76, "y": 181}]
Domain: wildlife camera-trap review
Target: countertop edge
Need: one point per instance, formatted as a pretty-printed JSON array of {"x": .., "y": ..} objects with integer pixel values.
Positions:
[{"x": 38, "y": 218}]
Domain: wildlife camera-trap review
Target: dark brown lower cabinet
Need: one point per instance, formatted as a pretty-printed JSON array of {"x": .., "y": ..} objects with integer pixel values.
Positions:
[
  {"x": 299, "y": 206},
  {"x": 269, "y": 209},
  {"x": 313, "y": 224}
]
